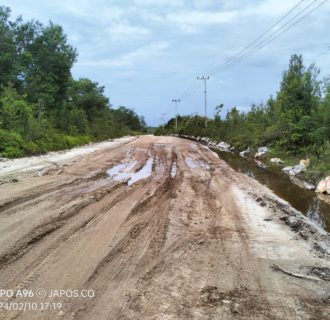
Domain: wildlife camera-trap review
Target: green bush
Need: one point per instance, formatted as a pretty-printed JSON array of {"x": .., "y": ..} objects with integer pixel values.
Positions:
[
  {"x": 11, "y": 144},
  {"x": 12, "y": 152}
]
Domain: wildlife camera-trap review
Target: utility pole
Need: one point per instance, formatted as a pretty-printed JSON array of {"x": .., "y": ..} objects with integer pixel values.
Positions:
[
  {"x": 176, "y": 112},
  {"x": 205, "y": 78},
  {"x": 162, "y": 119}
]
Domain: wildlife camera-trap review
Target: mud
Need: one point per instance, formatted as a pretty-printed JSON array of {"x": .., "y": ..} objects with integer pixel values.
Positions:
[
  {"x": 189, "y": 238},
  {"x": 322, "y": 273}
]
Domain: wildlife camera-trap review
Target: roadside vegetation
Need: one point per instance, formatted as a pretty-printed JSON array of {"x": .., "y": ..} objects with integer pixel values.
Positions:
[
  {"x": 42, "y": 107},
  {"x": 295, "y": 124}
]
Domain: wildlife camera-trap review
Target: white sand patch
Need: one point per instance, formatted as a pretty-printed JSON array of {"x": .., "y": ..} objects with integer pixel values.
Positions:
[
  {"x": 52, "y": 159},
  {"x": 269, "y": 239}
]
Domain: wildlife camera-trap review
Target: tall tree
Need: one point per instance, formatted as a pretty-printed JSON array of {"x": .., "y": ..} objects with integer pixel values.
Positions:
[
  {"x": 8, "y": 57},
  {"x": 299, "y": 89},
  {"x": 46, "y": 60},
  {"x": 88, "y": 96}
]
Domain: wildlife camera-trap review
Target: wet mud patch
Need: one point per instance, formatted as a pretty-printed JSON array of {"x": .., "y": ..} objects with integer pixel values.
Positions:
[
  {"x": 98, "y": 176},
  {"x": 212, "y": 296},
  {"x": 240, "y": 301},
  {"x": 137, "y": 229},
  {"x": 318, "y": 308},
  {"x": 219, "y": 232},
  {"x": 12, "y": 180},
  {"x": 295, "y": 220},
  {"x": 300, "y": 227},
  {"x": 320, "y": 272}
]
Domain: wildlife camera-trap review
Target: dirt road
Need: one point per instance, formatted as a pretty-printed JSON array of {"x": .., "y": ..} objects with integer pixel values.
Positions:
[{"x": 157, "y": 228}]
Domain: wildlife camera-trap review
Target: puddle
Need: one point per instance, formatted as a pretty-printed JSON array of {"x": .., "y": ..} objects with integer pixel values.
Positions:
[
  {"x": 124, "y": 171},
  {"x": 194, "y": 164},
  {"x": 173, "y": 170},
  {"x": 144, "y": 173},
  {"x": 121, "y": 171},
  {"x": 306, "y": 201}
]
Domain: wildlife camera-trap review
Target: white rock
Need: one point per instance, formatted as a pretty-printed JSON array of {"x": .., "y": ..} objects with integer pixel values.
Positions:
[
  {"x": 263, "y": 150},
  {"x": 309, "y": 186},
  {"x": 287, "y": 169},
  {"x": 258, "y": 155},
  {"x": 298, "y": 168},
  {"x": 327, "y": 181},
  {"x": 321, "y": 187},
  {"x": 294, "y": 170},
  {"x": 276, "y": 160},
  {"x": 245, "y": 153},
  {"x": 223, "y": 145}
]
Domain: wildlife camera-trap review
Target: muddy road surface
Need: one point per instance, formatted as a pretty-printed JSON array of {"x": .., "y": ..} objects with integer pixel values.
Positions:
[{"x": 154, "y": 228}]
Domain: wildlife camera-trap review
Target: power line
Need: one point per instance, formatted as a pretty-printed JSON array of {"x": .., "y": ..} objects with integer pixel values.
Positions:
[
  {"x": 192, "y": 90},
  {"x": 270, "y": 38},
  {"x": 260, "y": 42},
  {"x": 260, "y": 36},
  {"x": 256, "y": 45},
  {"x": 194, "y": 86},
  {"x": 191, "y": 86}
]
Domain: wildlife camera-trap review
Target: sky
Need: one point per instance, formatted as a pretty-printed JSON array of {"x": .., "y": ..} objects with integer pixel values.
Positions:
[{"x": 148, "y": 52}]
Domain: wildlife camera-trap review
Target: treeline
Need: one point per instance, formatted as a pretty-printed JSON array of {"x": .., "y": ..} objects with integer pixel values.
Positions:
[
  {"x": 295, "y": 123},
  {"x": 42, "y": 107}
]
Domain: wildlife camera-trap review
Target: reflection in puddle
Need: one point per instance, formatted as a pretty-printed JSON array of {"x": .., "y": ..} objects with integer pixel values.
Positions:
[
  {"x": 173, "y": 170},
  {"x": 194, "y": 164},
  {"x": 306, "y": 201},
  {"x": 121, "y": 171},
  {"x": 124, "y": 171},
  {"x": 144, "y": 173}
]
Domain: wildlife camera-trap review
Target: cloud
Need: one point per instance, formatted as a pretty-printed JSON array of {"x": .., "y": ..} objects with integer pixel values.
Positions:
[
  {"x": 270, "y": 7},
  {"x": 112, "y": 13},
  {"x": 84, "y": 9},
  {"x": 129, "y": 59},
  {"x": 205, "y": 3},
  {"x": 195, "y": 21},
  {"x": 160, "y": 3},
  {"x": 124, "y": 45},
  {"x": 124, "y": 31}
]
